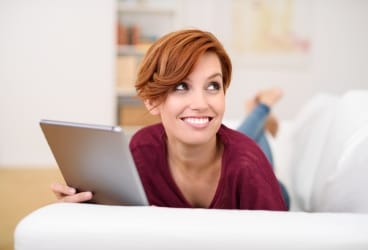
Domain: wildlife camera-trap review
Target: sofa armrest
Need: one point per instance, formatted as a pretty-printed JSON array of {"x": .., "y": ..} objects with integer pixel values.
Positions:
[{"x": 87, "y": 226}]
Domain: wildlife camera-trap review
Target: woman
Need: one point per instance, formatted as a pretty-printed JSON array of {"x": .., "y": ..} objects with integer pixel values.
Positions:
[{"x": 190, "y": 159}]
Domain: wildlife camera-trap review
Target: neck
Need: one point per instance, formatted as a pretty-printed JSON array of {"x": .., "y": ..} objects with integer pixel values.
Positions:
[{"x": 194, "y": 158}]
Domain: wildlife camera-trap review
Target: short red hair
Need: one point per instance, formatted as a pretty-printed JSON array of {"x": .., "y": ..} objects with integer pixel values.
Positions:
[{"x": 172, "y": 58}]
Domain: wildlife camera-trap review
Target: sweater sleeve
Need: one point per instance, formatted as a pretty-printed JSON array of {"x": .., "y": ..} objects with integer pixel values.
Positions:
[
  {"x": 262, "y": 187},
  {"x": 249, "y": 174}
]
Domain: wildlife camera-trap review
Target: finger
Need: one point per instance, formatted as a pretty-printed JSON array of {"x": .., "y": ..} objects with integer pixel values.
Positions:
[
  {"x": 62, "y": 190},
  {"x": 79, "y": 197}
]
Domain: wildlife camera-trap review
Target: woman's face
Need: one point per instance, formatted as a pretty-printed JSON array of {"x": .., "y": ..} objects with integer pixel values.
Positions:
[{"x": 193, "y": 110}]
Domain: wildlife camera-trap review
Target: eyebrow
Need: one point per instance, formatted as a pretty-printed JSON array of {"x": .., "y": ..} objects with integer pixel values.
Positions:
[{"x": 215, "y": 75}]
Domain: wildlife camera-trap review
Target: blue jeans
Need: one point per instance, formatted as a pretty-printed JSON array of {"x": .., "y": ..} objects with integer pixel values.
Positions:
[{"x": 253, "y": 127}]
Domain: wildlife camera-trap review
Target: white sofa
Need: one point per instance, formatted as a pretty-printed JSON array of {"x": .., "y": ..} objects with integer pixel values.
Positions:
[{"x": 321, "y": 156}]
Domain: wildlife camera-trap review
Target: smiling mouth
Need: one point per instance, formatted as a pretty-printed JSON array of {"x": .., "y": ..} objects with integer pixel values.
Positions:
[{"x": 197, "y": 120}]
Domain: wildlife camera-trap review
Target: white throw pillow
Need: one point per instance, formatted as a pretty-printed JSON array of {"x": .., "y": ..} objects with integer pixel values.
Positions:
[
  {"x": 340, "y": 180},
  {"x": 346, "y": 189},
  {"x": 308, "y": 141}
]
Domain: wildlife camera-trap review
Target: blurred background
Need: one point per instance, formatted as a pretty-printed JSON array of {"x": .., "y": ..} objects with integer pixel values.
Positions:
[{"x": 75, "y": 60}]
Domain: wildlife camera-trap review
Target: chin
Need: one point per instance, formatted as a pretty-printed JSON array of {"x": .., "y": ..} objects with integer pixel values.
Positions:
[{"x": 198, "y": 138}]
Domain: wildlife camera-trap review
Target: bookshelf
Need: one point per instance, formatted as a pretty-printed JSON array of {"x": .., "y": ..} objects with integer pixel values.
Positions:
[{"x": 139, "y": 24}]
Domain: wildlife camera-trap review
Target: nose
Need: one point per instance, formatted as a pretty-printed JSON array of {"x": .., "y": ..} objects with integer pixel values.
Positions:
[{"x": 198, "y": 100}]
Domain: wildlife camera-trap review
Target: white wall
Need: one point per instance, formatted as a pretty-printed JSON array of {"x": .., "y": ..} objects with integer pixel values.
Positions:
[
  {"x": 56, "y": 62},
  {"x": 338, "y": 59}
]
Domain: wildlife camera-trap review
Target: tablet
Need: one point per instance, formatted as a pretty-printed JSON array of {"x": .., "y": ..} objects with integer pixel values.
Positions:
[{"x": 95, "y": 158}]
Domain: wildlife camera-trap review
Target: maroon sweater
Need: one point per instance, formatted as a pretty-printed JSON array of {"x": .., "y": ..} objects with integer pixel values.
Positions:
[{"x": 247, "y": 180}]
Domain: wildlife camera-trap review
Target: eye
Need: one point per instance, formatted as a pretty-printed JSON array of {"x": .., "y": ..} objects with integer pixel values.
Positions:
[
  {"x": 213, "y": 86},
  {"x": 181, "y": 86}
]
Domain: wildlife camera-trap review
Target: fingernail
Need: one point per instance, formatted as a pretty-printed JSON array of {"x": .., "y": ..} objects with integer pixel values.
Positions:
[{"x": 72, "y": 190}]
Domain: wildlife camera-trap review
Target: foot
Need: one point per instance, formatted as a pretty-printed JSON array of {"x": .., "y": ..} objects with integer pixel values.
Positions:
[
  {"x": 250, "y": 104},
  {"x": 272, "y": 125},
  {"x": 269, "y": 96}
]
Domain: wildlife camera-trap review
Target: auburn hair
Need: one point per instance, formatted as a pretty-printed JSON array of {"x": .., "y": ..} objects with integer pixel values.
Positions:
[{"x": 172, "y": 58}]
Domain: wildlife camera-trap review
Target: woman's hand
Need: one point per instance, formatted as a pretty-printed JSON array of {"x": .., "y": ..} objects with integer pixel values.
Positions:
[{"x": 64, "y": 193}]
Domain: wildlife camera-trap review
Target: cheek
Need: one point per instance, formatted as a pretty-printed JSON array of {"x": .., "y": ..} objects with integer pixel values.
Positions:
[
  {"x": 219, "y": 104},
  {"x": 168, "y": 108}
]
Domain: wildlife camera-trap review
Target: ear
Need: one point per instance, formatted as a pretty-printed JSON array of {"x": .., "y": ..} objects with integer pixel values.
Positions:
[{"x": 152, "y": 107}]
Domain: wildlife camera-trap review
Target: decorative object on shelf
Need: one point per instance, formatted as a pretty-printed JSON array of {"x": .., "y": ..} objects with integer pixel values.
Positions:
[
  {"x": 128, "y": 34},
  {"x": 121, "y": 31}
]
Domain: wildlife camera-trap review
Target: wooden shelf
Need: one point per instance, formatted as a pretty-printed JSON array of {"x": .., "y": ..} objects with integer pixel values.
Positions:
[{"x": 133, "y": 50}]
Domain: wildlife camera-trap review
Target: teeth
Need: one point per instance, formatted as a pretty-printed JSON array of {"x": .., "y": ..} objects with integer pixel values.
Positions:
[{"x": 197, "y": 120}]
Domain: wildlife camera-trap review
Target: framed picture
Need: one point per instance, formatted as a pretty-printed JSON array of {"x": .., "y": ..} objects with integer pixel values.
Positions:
[{"x": 271, "y": 32}]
